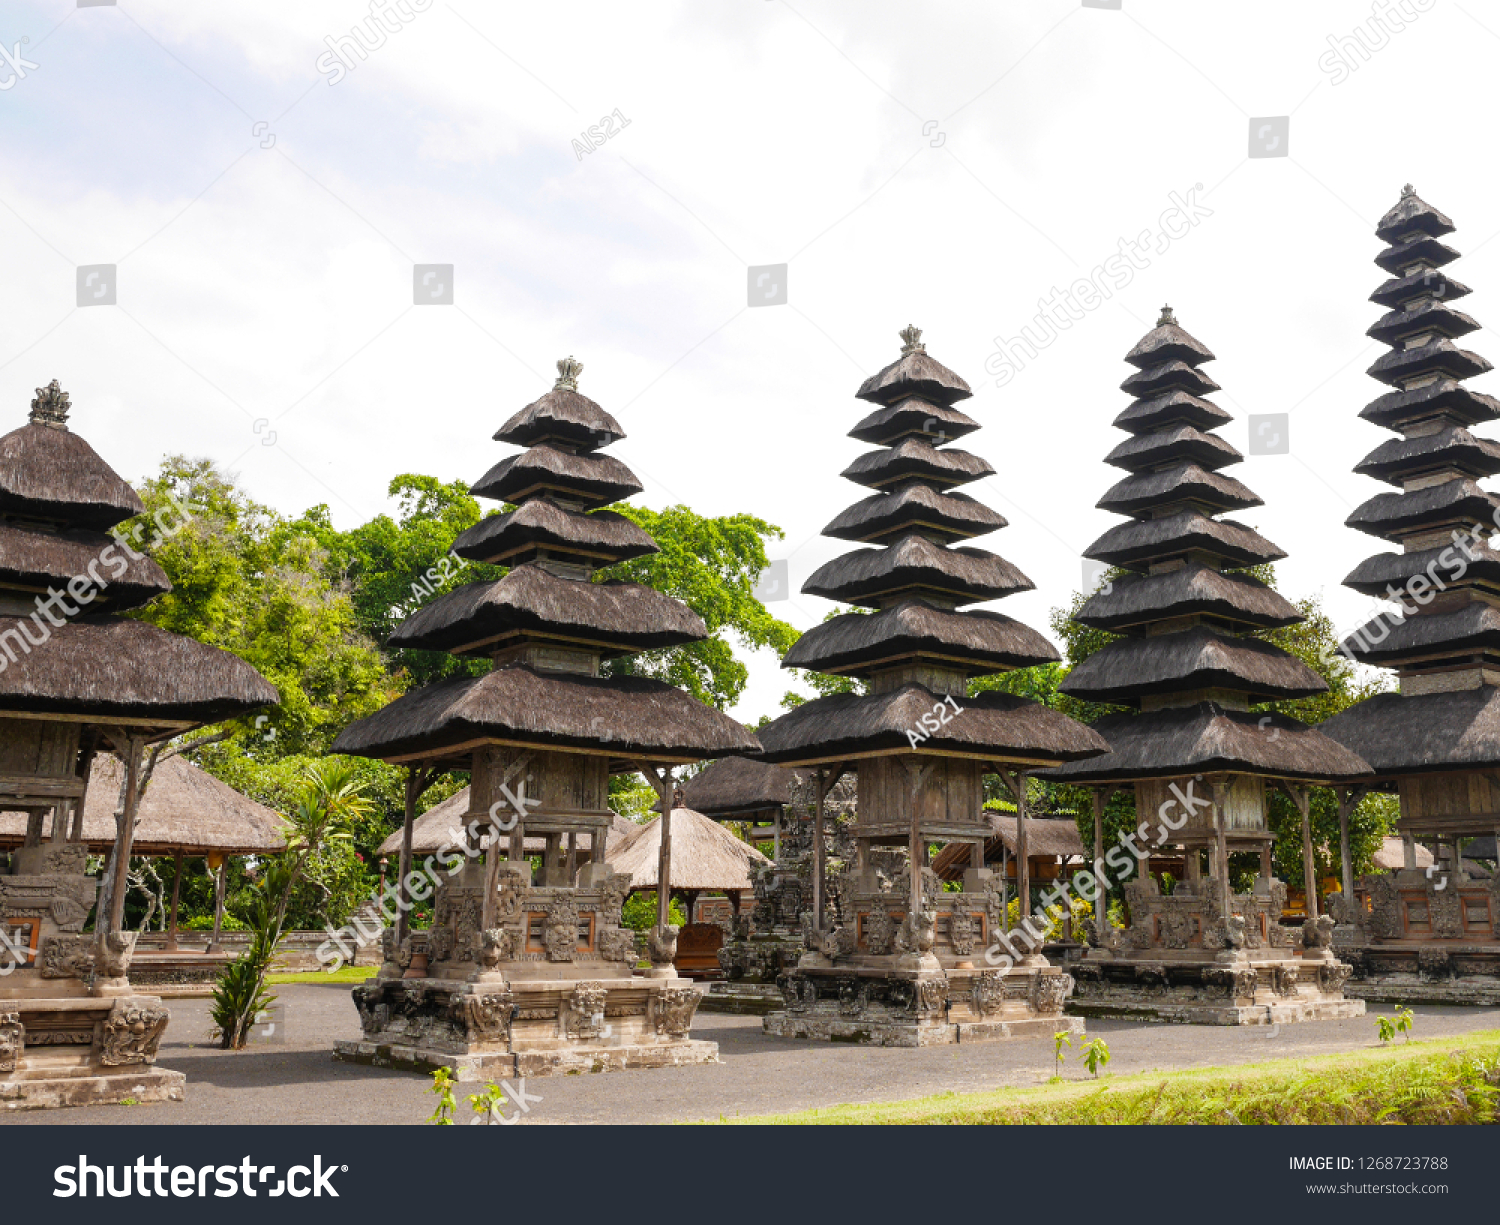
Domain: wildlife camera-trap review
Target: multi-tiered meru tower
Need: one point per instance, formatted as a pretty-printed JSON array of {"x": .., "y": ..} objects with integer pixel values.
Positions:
[
  {"x": 907, "y": 965},
  {"x": 529, "y": 971},
  {"x": 1412, "y": 934},
  {"x": 1197, "y": 756}
]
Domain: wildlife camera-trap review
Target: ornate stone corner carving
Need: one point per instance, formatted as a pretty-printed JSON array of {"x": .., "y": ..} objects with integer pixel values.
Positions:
[
  {"x": 585, "y": 1017},
  {"x": 1049, "y": 992},
  {"x": 12, "y": 1041},
  {"x": 674, "y": 1011},
  {"x": 132, "y": 1032}
]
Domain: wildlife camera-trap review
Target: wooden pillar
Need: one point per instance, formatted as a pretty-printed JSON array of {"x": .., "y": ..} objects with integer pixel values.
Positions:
[
  {"x": 916, "y": 852},
  {"x": 171, "y": 945},
  {"x": 35, "y": 817},
  {"x": 1004, "y": 886},
  {"x": 1408, "y": 853},
  {"x": 571, "y": 874},
  {"x": 1221, "y": 790},
  {"x": 1023, "y": 847},
  {"x": 220, "y": 882},
  {"x": 1101, "y": 902},
  {"x": 1347, "y": 798},
  {"x": 85, "y": 773},
  {"x": 1303, "y": 799},
  {"x": 409, "y": 817},
  {"x": 820, "y": 783},
  {"x": 664, "y": 858},
  {"x": 776, "y": 835},
  {"x": 113, "y": 915}
]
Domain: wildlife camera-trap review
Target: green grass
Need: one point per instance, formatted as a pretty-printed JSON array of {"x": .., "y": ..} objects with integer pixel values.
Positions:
[
  {"x": 347, "y": 974},
  {"x": 1447, "y": 1080}
]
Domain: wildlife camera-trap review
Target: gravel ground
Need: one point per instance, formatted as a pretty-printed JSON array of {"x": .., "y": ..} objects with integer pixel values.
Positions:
[{"x": 298, "y": 1082}]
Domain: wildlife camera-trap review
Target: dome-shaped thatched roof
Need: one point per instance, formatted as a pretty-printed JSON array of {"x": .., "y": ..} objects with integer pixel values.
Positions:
[{"x": 705, "y": 855}]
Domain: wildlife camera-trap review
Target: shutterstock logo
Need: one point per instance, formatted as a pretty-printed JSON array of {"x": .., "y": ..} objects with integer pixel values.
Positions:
[{"x": 153, "y": 1179}]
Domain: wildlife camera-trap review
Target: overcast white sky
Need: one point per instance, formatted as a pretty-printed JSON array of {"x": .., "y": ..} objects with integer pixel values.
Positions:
[{"x": 942, "y": 164}]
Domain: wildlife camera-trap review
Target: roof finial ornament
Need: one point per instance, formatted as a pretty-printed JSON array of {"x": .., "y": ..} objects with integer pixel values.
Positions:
[
  {"x": 911, "y": 340},
  {"x": 568, "y": 370},
  {"x": 1167, "y": 318},
  {"x": 50, "y": 406},
  {"x": 1408, "y": 190}
]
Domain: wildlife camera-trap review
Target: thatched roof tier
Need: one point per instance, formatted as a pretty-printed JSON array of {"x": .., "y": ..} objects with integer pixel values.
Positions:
[
  {"x": 990, "y": 724},
  {"x": 1141, "y": 493},
  {"x": 1135, "y": 545},
  {"x": 1170, "y": 408},
  {"x": 1168, "y": 343},
  {"x": 1428, "y": 316},
  {"x": 48, "y": 472},
  {"x": 1421, "y": 250},
  {"x": 184, "y": 809},
  {"x": 44, "y": 559},
  {"x": 1124, "y": 671},
  {"x": 1451, "y": 449},
  {"x": 514, "y": 538},
  {"x": 1445, "y": 399},
  {"x": 444, "y": 826},
  {"x": 1173, "y": 445},
  {"x": 915, "y": 458},
  {"x": 859, "y": 644},
  {"x": 1135, "y": 601},
  {"x": 1412, "y": 215},
  {"x": 1396, "y": 734},
  {"x": 1210, "y": 738},
  {"x": 1394, "y": 516},
  {"x": 705, "y": 855},
  {"x": 1388, "y": 638},
  {"x": 915, "y": 565},
  {"x": 113, "y": 667},
  {"x": 1402, "y": 289},
  {"x": 738, "y": 786},
  {"x": 624, "y": 716},
  {"x": 913, "y": 417},
  {"x": 1472, "y": 563},
  {"x": 914, "y": 374},
  {"x": 1441, "y": 357},
  {"x": 530, "y": 604},
  {"x": 1168, "y": 376},
  {"x": 915, "y": 507},
  {"x": 590, "y": 480},
  {"x": 565, "y": 417}
]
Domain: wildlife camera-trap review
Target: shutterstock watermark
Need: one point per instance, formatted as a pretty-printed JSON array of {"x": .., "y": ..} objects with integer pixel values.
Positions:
[
  {"x": 14, "y": 65},
  {"x": 1347, "y": 53},
  {"x": 371, "y": 34}
]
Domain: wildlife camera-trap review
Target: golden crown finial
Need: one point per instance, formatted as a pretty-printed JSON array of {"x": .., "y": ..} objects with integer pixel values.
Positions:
[
  {"x": 50, "y": 406},
  {"x": 568, "y": 370},
  {"x": 911, "y": 340},
  {"x": 1166, "y": 318},
  {"x": 1408, "y": 190}
]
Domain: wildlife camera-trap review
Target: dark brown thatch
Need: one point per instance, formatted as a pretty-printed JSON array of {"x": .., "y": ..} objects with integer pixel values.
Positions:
[
  {"x": 915, "y": 507},
  {"x": 1156, "y": 412},
  {"x": 1168, "y": 376},
  {"x": 1412, "y": 214},
  {"x": 515, "y": 537},
  {"x": 1450, "y": 448},
  {"x": 916, "y": 458},
  {"x": 1168, "y": 343},
  {"x": 591, "y": 480},
  {"x": 705, "y": 855},
  {"x": 1124, "y": 671},
  {"x": 1047, "y": 838},
  {"x": 1423, "y": 249},
  {"x": 913, "y": 416},
  {"x": 914, "y": 374},
  {"x": 1205, "y": 738},
  {"x": 1401, "y": 289},
  {"x": 860, "y": 644},
  {"x": 1440, "y": 356},
  {"x": 36, "y": 557},
  {"x": 990, "y": 723},
  {"x": 1474, "y": 560},
  {"x": 1388, "y": 639},
  {"x": 621, "y": 618},
  {"x": 619, "y": 715},
  {"x": 444, "y": 827},
  {"x": 1431, "y": 731},
  {"x": 1431, "y": 316},
  {"x": 1141, "y": 492},
  {"x": 1138, "y": 543},
  {"x": 915, "y": 564},
  {"x": 1394, "y": 515},
  {"x": 1176, "y": 444},
  {"x": 1193, "y": 589},
  {"x": 1447, "y": 398},
  {"x": 564, "y": 416},
  {"x": 51, "y": 473},
  {"x": 114, "y": 667},
  {"x": 738, "y": 786},
  {"x": 184, "y": 809}
]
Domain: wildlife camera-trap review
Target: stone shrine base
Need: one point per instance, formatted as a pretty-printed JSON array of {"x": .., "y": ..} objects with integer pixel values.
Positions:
[
  {"x": 90, "y": 1087},
  {"x": 1424, "y": 972},
  {"x": 743, "y": 999}
]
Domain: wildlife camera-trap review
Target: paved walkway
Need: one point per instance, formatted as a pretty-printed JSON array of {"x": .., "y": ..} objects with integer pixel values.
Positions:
[{"x": 298, "y": 1082}]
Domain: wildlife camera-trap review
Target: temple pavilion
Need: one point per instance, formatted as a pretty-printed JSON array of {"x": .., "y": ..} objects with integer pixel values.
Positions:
[
  {"x": 904, "y": 963},
  {"x": 1419, "y": 933},
  {"x": 1188, "y": 666},
  {"x": 529, "y": 971}
]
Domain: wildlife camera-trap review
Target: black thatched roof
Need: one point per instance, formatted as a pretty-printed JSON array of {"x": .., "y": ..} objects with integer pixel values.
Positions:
[
  {"x": 1142, "y": 492},
  {"x": 860, "y": 644},
  {"x": 561, "y": 416},
  {"x": 114, "y": 667},
  {"x": 1459, "y": 729},
  {"x": 1422, "y": 249},
  {"x": 1157, "y": 411},
  {"x": 1412, "y": 215},
  {"x": 1171, "y": 445},
  {"x": 1124, "y": 671},
  {"x": 619, "y": 618},
  {"x": 1451, "y": 448},
  {"x": 1475, "y": 561},
  {"x": 1194, "y": 589},
  {"x": 917, "y": 565},
  {"x": 1447, "y": 398},
  {"x": 592, "y": 480},
  {"x": 1138, "y": 543},
  {"x": 1388, "y": 638},
  {"x": 1168, "y": 343},
  {"x": 990, "y": 724},
  {"x": 1208, "y": 738},
  {"x": 618, "y": 715},
  {"x": 914, "y": 374},
  {"x": 1168, "y": 376},
  {"x": 1440, "y": 356},
  {"x": 1401, "y": 289},
  {"x": 919, "y": 459},
  {"x": 1429, "y": 316},
  {"x": 32, "y": 556},
  {"x": 913, "y": 417},
  {"x": 515, "y": 537},
  {"x": 914, "y": 507},
  {"x": 49, "y": 472},
  {"x": 1392, "y": 516},
  {"x": 738, "y": 785}
]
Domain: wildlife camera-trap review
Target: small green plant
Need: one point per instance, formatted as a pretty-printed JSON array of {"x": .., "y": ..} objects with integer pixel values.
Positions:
[
  {"x": 442, "y": 1085},
  {"x": 1399, "y": 1022},
  {"x": 1062, "y": 1038},
  {"x": 1385, "y": 1028},
  {"x": 488, "y": 1103},
  {"x": 1095, "y": 1056}
]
